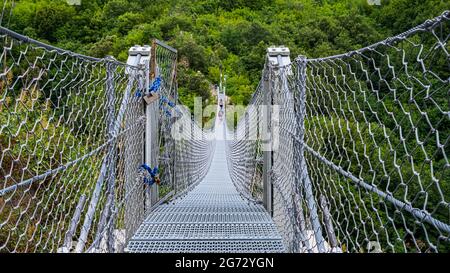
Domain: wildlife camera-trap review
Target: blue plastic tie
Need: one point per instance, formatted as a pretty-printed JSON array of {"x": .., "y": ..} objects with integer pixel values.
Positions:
[
  {"x": 155, "y": 85},
  {"x": 152, "y": 172}
]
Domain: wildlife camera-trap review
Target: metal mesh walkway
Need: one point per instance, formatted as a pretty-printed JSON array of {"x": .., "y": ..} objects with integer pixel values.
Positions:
[{"x": 213, "y": 217}]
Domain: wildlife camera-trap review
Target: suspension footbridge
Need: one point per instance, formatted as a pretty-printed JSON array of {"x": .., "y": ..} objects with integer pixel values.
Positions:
[
  {"x": 346, "y": 153},
  {"x": 212, "y": 217}
]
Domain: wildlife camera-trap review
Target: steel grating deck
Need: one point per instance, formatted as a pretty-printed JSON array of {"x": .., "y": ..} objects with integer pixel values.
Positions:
[{"x": 213, "y": 217}]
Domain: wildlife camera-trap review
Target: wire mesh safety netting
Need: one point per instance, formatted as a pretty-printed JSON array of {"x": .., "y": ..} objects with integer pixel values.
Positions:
[
  {"x": 353, "y": 147},
  {"x": 72, "y": 141},
  {"x": 64, "y": 119},
  {"x": 185, "y": 149},
  {"x": 244, "y": 147},
  {"x": 194, "y": 151},
  {"x": 361, "y": 163},
  {"x": 377, "y": 142}
]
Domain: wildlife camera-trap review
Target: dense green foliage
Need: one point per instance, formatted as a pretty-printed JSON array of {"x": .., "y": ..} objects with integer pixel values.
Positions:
[{"x": 208, "y": 33}]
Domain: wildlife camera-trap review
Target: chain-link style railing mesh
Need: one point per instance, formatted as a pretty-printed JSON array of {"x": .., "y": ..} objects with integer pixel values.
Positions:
[
  {"x": 359, "y": 162},
  {"x": 63, "y": 121},
  {"x": 164, "y": 60},
  {"x": 194, "y": 151},
  {"x": 377, "y": 132},
  {"x": 72, "y": 141},
  {"x": 185, "y": 149},
  {"x": 363, "y": 141},
  {"x": 244, "y": 151}
]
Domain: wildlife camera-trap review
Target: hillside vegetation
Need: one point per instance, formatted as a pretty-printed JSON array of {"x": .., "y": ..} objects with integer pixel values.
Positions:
[{"x": 209, "y": 33}]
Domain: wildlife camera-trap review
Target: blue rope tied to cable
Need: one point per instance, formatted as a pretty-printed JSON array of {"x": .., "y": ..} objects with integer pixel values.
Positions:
[
  {"x": 153, "y": 175},
  {"x": 154, "y": 88},
  {"x": 166, "y": 100},
  {"x": 156, "y": 84}
]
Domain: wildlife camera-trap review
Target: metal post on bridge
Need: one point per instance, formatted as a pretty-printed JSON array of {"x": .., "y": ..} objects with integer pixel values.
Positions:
[
  {"x": 276, "y": 57},
  {"x": 151, "y": 124},
  {"x": 266, "y": 139},
  {"x": 138, "y": 56}
]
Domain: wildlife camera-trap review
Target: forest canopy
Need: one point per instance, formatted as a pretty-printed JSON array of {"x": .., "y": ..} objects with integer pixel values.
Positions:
[{"x": 214, "y": 33}]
